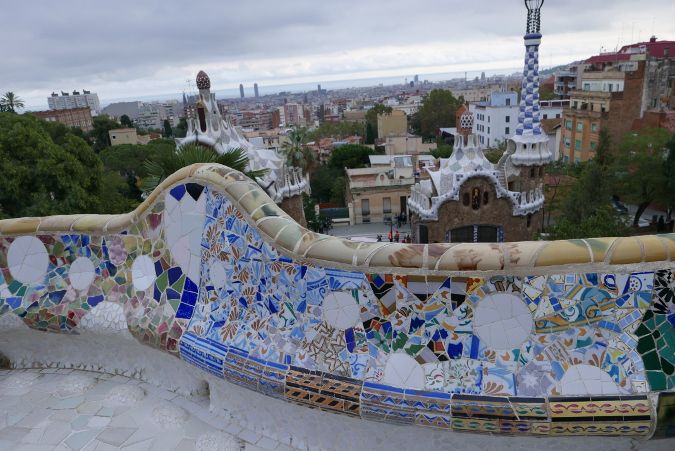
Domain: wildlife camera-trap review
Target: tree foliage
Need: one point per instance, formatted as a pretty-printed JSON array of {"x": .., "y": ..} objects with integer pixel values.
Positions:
[
  {"x": 296, "y": 152},
  {"x": 336, "y": 130},
  {"x": 42, "y": 177},
  {"x": 603, "y": 222},
  {"x": 351, "y": 156},
  {"x": 167, "y": 131},
  {"x": 181, "y": 129},
  {"x": 126, "y": 121},
  {"x": 10, "y": 102},
  {"x": 99, "y": 135},
  {"x": 438, "y": 110},
  {"x": 641, "y": 172},
  {"x": 168, "y": 163},
  {"x": 322, "y": 181},
  {"x": 442, "y": 151}
]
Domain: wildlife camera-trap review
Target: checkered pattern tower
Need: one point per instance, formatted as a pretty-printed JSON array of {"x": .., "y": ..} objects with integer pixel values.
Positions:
[{"x": 529, "y": 146}]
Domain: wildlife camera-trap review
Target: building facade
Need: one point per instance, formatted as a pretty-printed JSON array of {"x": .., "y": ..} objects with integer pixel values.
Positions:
[
  {"x": 67, "y": 101},
  {"x": 380, "y": 193},
  {"x": 392, "y": 124},
  {"x": 495, "y": 120},
  {"x": 620, "y": 92},
  {"x": 72, "y": 117},
  {"x": 469, "y": 199}
]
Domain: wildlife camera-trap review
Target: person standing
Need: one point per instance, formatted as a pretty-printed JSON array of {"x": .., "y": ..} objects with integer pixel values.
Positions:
[
  {"x": 397, "y": 238},
  {"x": 391, "y": 238}
]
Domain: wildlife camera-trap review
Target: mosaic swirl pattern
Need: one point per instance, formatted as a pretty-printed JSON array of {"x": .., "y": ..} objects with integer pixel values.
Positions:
[{"x": 474, "y": 351}]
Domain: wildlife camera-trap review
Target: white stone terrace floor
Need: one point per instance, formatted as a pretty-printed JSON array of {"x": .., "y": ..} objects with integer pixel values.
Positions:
[{"x": 63, "y": 409}]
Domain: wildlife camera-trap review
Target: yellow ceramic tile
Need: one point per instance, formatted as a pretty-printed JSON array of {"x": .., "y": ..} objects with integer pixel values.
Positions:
[
  {"x": 58, "y": 223},
  {"x": 669, "y": 241},
  {"x": 654, "y": 250},
  {"x": 237, "y": 190},
  {"x": 365, "y": 250},
  {"x": 20, "y": 226},
  {"x": 333, "y": 249},
  {"x": 599, "y": 247},
  {"x": 272, "y": 226},
  {"x": 472, "y": 257},
  {"x": 399, "y": 255},
  {"x": 521, "y": 254},
  {"x": 307, "y": 240},
  {"x": 563, "y": 253},
  {"x": 252, "y": 200},
  {"x": 626, "y": 250},
  {"x": 119, "y": 222},
  {"x": 289, "y": 236},
  {"x": 266, "y": 210},
  {"x": 91, "y": 223}
]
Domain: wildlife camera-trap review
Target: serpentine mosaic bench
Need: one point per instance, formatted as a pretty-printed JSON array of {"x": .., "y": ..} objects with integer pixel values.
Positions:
[{"x": 540, "y": 338}]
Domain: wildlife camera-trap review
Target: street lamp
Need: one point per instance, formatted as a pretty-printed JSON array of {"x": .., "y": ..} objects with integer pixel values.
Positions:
[{"x": 533, "y": 15}]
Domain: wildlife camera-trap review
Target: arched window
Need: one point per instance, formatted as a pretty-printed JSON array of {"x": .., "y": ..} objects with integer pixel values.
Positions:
[
  {"x": 541, "y": 171},
  {"x": 529, "y": 220},
  {"x": 201, "y": 114},
  {"x": 465, "y": 199},
  {"x": 532, "y": 173},
  {"x": 486, "y": 197},
  {"x": 475, "y": 198}
]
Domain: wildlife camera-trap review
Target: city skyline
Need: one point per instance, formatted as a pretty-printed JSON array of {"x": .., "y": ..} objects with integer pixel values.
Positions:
[{"x": 153, "y": 49}]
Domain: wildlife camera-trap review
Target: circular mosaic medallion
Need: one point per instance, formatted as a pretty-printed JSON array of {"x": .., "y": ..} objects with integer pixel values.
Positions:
[
  {"x": 587, "y": 380},
  {"x": 27, "y": 259},
  {"x": 402, "y": 370},
  {"x": 340, "y": 310},
  {"x": 143, "y": 272},
  {"x": 81, "y": 273},
  {"x": 502, "y": 321}
]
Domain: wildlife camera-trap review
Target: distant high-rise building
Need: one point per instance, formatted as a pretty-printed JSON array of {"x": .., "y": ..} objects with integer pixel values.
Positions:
[
  {"x": 241, "y": 90},
  {"x": 255, "y": 90},
  {"x": 482, "y": 76},
  {"x": 67, "y": 101},
  {"x": 417, "y": 79},
  {"x": 318, "y": 87}
]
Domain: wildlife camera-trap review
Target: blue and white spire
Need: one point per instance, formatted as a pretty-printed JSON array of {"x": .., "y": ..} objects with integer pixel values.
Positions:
[{"x": 531, "y": 143}]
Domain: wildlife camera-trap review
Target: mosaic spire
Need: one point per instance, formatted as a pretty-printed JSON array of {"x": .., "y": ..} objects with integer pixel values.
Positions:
[{"x": 529, "y": 121}]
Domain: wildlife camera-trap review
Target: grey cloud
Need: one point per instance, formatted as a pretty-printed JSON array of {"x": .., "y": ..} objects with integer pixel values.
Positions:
[{"x": 77, "y": 42}]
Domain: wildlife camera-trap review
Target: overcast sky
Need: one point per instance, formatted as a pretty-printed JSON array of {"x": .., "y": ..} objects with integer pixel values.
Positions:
[{"x": 122, "y": 48}]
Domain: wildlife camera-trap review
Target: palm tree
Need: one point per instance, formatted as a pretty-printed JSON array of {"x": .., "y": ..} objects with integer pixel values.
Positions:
[
  {"x": 168, "y": 163},
  {"x": 11, "y": 102},
  {"x": 297, "y": 154}
]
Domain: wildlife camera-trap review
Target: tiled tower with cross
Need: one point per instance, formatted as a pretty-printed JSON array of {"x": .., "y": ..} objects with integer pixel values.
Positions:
[
  {"x": 469, "y": 199},
  {"x": 529, "y": 146}
]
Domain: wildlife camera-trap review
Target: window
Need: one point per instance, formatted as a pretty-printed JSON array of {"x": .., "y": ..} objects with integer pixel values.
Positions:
[
  {"x": 386, "y": 205},
  {"x": 508, "y": 119},
  {"x": 365, "y": 207},
  {"x": 568, "y": 124},
  {"x": 475, "y": 198},
  {"x": 557, "y": 116},
  {"x": 466, "y": 199},
  {"x": 610, "y": 87},
  {"x": 531, "y": 173},
  {"x": 580, "y": 126},
  {"x": 508, "y": 102},
  {"x": 567, "y": 141},
  {"x": 507, "y": 130},
  {"x": 529, "y": 220},
  {"x": 488, "y": 129},
  {"x": 577, "y": 144},
  {"x": 541, "y": 171},
  {"x": 594, "y": 128},
  {"x": 593, "y": 147},
  {"x": 545, "y": 116},
  {"x": 486, "y": 198},
  {"x": 488, "y": 119},
  {"x": 587, "y": 86}
]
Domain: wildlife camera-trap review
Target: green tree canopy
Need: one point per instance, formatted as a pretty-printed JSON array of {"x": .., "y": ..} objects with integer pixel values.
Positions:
[
  {"x": 351, "y": 156},
  {"x": 10, "y": 102},
  {"x": 336, "y": 130},
  {"x": 126, "y": 121},
  {"x": 438, "y": 110},
  {"x": 167, "y": 131},
  {"x": 42, "y": 177},
  {"x": 181, "y": 129},
  {"x": 442, "y": 151},
  {"x": 640, "y": 168},
  {"x": 99, "y": 135}
]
